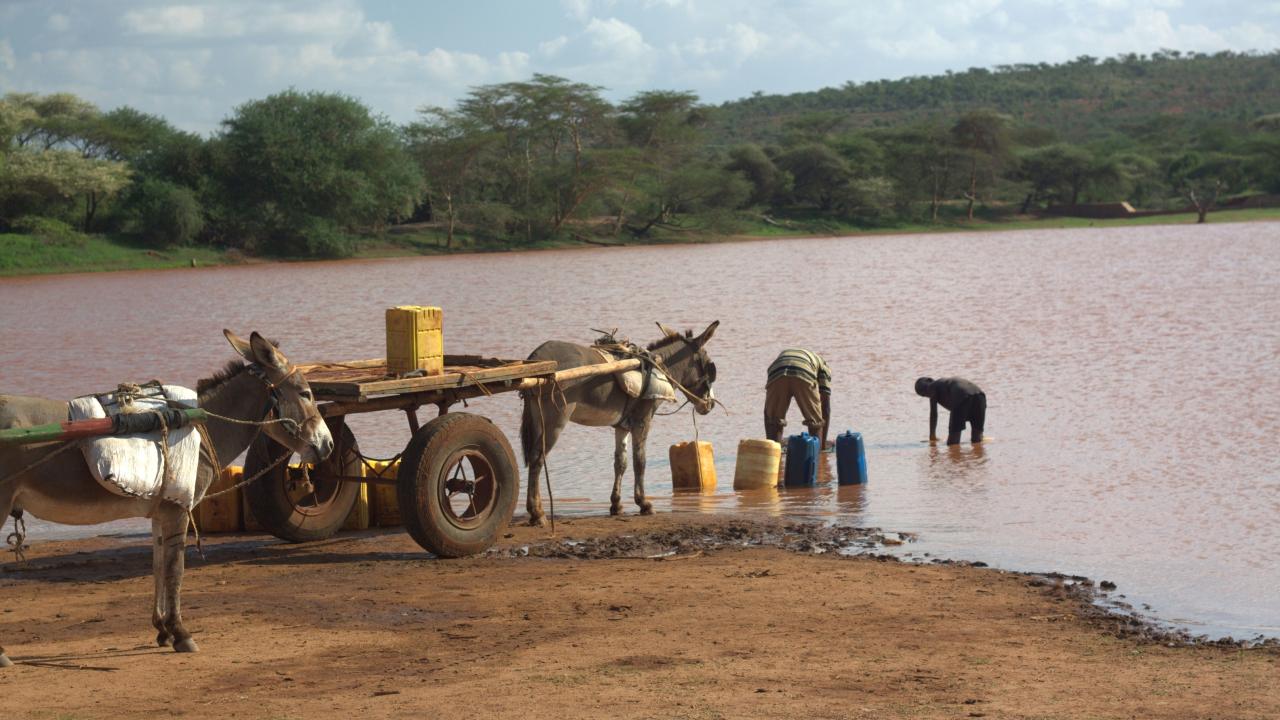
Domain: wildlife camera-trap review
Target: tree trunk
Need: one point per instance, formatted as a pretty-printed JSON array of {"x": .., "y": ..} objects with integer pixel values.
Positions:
[
  {"x": 1026, "y": 204},
  {"x": 448, "y": 199},
  {"x": 973, "y": 187},
  {"x": 90, "y": 209}
]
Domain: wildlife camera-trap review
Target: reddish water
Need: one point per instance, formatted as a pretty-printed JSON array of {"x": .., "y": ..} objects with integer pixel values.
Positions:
[{"x": 1131, "y": 375}]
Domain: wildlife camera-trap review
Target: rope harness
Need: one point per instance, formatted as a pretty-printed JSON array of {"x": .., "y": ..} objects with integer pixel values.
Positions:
[{"x": 128, "y": 422}]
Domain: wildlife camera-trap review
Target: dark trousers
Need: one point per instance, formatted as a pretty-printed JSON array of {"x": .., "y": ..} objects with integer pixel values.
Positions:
[{"x": 972, "y": 411}]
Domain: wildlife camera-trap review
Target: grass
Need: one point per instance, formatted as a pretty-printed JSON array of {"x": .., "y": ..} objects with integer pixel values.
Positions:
[
  {"x": 802, "y": 225},
  {"x": 29, "y": 255}
]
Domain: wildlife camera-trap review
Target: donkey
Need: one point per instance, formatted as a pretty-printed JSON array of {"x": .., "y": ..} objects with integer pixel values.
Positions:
[
  {"x": 62, "y": 489},
  {"x": 599, "y": 401}
]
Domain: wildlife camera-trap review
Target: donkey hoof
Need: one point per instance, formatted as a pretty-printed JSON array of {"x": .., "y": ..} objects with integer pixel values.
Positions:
[
  {"x": 5, "y": 661},
  {"x": 615, "y": 509},
  {"x": 185, "y": 645},
  {"x": 646, "y": 509},
  {"x": 537, "y": 521},
  {"x": 163, "y": 639}
]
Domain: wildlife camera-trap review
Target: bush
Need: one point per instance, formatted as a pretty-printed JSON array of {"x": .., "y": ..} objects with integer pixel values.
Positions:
[
  {"x": 164, "y": 214},
  {"x": 49, "y": 230},
  {"x": 321, "y": 238}
]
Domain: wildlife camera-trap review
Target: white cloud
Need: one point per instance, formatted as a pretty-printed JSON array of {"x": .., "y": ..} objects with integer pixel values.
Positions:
[
  {"x": 925, "y": 43},
  {"x": 7, "y": 59},
  {"x": 579, "y": 10},
  {"x": 616, "y": 38},
  {"x": 174, "y": 20},
  {"x": 58, "y": 22},
  {"x": 746, "y": 40},
  {"x": 551, "y": 48}
]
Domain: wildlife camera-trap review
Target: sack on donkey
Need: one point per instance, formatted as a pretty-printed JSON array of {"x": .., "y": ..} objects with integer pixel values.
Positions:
[{"x": 134, "y": 465}]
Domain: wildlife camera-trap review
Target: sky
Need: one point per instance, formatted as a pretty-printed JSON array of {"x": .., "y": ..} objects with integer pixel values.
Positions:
[{"x": 193, "y": 63}]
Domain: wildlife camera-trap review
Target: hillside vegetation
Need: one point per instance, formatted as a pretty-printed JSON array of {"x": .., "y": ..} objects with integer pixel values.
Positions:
[{"x": 549, "y": 161}]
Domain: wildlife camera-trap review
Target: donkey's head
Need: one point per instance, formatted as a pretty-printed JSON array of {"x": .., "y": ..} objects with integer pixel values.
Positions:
[
  {"x": 289, "y": 399},
  {"x": 687, "y": 362}
]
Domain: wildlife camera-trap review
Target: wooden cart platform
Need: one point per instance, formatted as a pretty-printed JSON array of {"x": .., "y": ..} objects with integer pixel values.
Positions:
[{"x": 362, "y": 380}]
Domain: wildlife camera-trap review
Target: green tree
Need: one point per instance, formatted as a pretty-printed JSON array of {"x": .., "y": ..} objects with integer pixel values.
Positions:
[
  {"x": 663, "y": 133},
  {"x": 982, "y": 136},
  {"x": 1055, "y": 173},
  {"x": 295, "y": 162},
  {"x": 32, "y": 180},
  {"x": 768, "y": 182},
  {"x": 922, "y": 162},
  {"x": 164, "y": 213},
  {"x": 819, "y": 173},
  {"x": 1202, "y": 178}
]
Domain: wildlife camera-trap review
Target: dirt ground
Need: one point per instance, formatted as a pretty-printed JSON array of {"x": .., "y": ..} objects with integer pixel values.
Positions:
[{"x": 589, "y": 624}]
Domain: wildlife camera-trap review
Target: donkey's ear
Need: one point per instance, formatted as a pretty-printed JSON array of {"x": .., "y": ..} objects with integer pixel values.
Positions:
[
  {"x": 265, "y": 354},
  {"x": 240, "y": 344},
  {"x": 666, "y": 330},
  {"x": 706, "y": 334}
]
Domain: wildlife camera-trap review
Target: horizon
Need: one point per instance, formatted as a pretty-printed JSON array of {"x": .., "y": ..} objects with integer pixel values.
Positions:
[{"x": 193, "y": 64}]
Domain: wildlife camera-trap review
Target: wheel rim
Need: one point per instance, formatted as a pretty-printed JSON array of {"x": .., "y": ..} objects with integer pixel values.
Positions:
[
  {"x": 469, "y": 491},
  {"x": 308, "y": 495}
]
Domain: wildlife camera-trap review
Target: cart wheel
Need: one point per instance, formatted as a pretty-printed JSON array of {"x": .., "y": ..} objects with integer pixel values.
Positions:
[
  {"x": 458, "y": 485},
  {"x": 287, "y": 505}
]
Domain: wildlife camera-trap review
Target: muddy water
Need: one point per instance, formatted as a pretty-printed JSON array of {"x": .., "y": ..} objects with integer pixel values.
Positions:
[{"x": 1131, "y": 376}]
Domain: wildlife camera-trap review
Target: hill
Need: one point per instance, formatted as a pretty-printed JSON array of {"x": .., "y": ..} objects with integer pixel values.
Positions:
[{"x": 1083, "y": 100}]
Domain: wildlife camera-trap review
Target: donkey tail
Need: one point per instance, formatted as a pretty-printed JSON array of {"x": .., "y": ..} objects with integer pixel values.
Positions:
[{"x": 527, "y": 436}]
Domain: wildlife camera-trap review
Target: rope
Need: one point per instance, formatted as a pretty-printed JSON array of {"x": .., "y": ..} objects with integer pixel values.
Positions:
[
  {"x": 260, "y": 473},
  {"x": 17, "y": 539},
  {"x": 290, "y": 422},
  {"x": 66, "y": 445}
]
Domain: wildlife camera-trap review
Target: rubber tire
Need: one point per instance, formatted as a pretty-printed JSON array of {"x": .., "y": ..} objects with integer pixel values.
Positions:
[
  {"x": 271, "y": 505},
  {"x": 422, "y": 470}
]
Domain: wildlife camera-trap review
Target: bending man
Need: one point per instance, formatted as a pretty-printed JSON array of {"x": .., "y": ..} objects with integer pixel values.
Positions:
[
  {"x": 804, "y": 376},
  {"x": 965, "y": 400}
]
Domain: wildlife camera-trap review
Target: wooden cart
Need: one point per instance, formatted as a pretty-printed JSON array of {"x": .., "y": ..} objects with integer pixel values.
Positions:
[{"x": 458, "y": 480}]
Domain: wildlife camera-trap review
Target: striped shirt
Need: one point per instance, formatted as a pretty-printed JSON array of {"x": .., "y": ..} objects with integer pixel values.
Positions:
[{"x": 797, "y": 362}]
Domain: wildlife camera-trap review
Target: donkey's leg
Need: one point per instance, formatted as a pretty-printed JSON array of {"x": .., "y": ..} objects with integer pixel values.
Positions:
[
  {"x": 7, "y": 491},
  {"x": 638, "y": 435},
  {"x": 173, "y": 525},
  {"x": 163, "y": 638},
  {"x": 620, "y": 436}
]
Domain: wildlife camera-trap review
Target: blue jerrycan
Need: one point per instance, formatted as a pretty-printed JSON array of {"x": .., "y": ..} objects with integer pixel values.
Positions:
[
  {"x": 851, "y": 459},
  {"x": 802, "y": 461}
]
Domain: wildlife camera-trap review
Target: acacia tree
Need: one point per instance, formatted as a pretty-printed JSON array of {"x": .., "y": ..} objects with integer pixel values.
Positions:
[
  {"x": 447, "y": 146},
  {"x": 982, "y": 135},
  {"x": 1202, "y": 178},
  {"x": 768, "y": 182},
  {"x": 1054, "y": 173},
  {"x": 33, "y": 180},
  {"x": 529, "y": 152},
  {"x": 819, "y": 173},
  {"x": 668, "y": 175},
  {"x": 921, "y": 161}
]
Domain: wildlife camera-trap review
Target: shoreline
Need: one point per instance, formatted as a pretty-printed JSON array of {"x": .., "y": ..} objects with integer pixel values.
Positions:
[
  {"x": 134, "y": 259},
  {"x": 1110, "y": 604},
  {"x": 631, "y": 616},
  {"x": 682, "y": 533}
]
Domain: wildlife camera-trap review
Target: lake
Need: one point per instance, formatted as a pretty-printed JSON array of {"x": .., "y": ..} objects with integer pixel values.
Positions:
[{"x": 1131, "y": 375}]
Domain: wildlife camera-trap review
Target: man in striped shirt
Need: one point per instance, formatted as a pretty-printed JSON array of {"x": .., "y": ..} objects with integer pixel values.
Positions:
[{"x": 801, "y": 375}]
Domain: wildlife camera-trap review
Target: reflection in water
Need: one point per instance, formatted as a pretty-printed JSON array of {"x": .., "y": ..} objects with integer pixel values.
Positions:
[{"x": 1110, "y": 352}]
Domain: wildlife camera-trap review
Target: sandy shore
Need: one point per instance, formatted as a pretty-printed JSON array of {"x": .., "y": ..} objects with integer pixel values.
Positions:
[{"x": 737, "y": 619}]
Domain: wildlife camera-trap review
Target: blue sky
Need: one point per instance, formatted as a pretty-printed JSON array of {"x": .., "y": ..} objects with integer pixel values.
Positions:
[{"x": 194, "y": 62}]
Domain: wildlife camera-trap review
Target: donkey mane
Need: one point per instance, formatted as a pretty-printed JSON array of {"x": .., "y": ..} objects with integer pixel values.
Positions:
[
  {"x": 209, "y": 385},
  {"x": 668, "y": 339}
]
